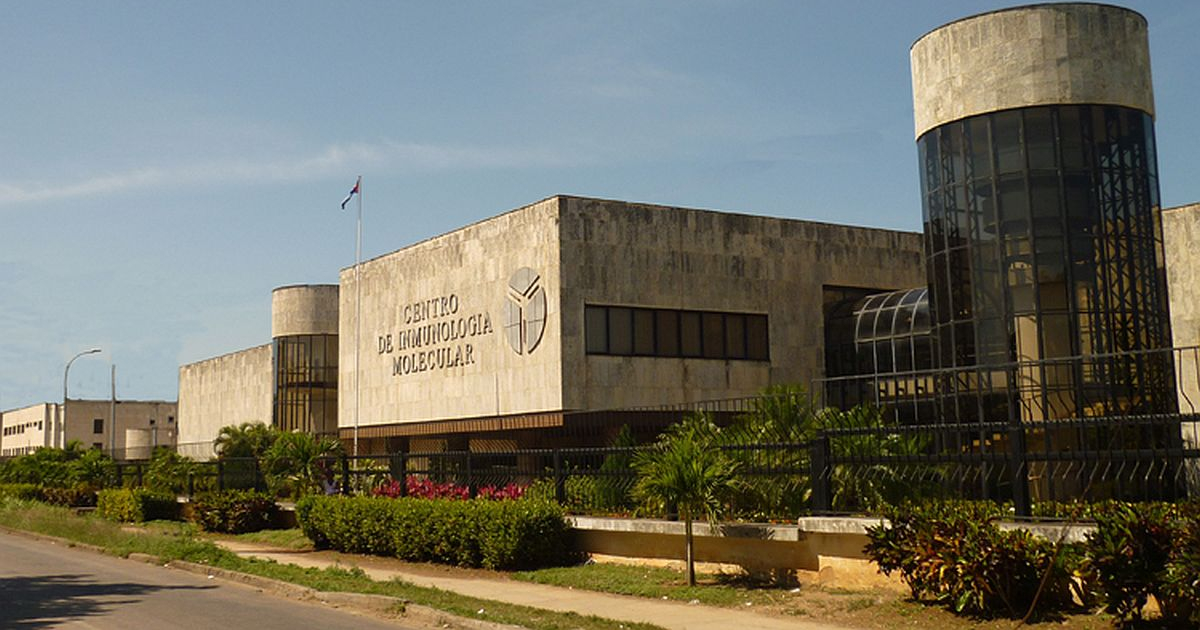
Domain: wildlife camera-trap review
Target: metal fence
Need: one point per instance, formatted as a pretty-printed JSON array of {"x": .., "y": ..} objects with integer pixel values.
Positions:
[
  {"x": 843, "y": 469},
  {"x": 1032, "y": 453}
]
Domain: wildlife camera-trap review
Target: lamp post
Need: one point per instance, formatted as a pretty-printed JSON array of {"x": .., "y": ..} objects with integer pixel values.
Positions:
[{"x": 62, "y": 420}]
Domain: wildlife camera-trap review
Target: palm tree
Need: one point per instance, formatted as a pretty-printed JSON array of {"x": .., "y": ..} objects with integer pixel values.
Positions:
[
  {"x": 686, "y": 469},
  {"x": 295, "y": 462},
  {"x": 248, "y": 439}
]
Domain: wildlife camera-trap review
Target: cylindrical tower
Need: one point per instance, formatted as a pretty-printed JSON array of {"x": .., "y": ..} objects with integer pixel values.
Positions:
[
  {"x": 304, "y": 331},
  {"x": 1041, "y": 210}
]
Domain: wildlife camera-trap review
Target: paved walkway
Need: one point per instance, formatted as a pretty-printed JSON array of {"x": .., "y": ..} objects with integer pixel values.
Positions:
[{"x": 673, "y": 615}]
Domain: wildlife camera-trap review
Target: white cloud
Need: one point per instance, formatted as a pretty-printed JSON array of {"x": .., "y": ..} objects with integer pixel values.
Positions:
[{"x": 331, "y": 161}]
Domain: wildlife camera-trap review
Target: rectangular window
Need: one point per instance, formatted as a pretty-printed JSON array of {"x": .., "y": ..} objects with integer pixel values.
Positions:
[
  {"x": 98, "y": 425},
  {"x": 735, "y": 336},
  {"x": 643, "y": 331},
  {"x": 596, "y": 330},
  {"x": 666, "y": 333},
  {"x": 620, "y": 331},
  {"x": 689, "y": 334},
  {"x": 714, "y": 335},
  {"x": 627, "y": 331}
]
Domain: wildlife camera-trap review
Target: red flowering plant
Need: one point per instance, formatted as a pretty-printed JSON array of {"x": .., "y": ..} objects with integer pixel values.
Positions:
[
  {"x": 425, "y": 488},
  {"x": 502, "y": 493}
]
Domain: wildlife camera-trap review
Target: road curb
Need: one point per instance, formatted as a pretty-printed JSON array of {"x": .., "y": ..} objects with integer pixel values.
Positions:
[{"x": 360, "y": 602}]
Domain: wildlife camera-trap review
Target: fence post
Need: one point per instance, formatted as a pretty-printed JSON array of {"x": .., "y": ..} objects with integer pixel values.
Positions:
[
  {"x": 470, "y": 476},
  {"x": 220, "y": 475},
  {"x": 398, "y": 468},
  {"x": 1020, "y": 470},
  {"x": 818, "y": 461},
  {"x": 138, "y": 472},
  {"x": 345, "y": 474},
  {"x": 560, "y": 482},
  {"x": 191, "y": 484},
  {"x": 258, "y": 475}
]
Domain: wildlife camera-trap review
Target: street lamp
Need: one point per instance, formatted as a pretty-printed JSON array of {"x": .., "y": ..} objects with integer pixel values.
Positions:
[{"x": 62, "y": 421}]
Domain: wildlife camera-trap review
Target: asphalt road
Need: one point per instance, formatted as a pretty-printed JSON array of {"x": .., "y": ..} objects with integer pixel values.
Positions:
[{"x": 44, "y": 585}]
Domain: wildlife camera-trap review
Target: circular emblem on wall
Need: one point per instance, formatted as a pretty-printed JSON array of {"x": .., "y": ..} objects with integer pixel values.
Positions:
[{"x": 525, "y": 311}]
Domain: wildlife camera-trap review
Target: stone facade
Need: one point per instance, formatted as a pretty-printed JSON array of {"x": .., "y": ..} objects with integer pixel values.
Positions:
[
  {"x": 229, "y": 389},
  {"x": 442, "y": 320},
  {"x": 308, "y": 309},
  {"x": 1071, "y": 53},
  {"x": 1181, "y": 243},
  {"x": 432, "y": 341}
]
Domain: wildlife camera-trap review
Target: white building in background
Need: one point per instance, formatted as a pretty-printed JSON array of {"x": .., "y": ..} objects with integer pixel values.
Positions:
[{"x": 140, "y": 426}]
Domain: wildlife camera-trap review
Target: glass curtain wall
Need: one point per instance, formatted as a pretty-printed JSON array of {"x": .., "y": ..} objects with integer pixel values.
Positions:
[
  {"x": 1044, "y": 245},
  {"x": 306, "y": 368}
]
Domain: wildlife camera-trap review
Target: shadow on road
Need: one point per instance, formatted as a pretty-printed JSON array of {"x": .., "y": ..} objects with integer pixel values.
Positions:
[{"x": 49, "y": 600}]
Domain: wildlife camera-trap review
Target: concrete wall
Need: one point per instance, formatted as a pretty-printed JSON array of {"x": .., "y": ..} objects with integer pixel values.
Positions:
[
  {"x": 229, "y": 389},
  {"x": 307, "y": 309},
  {"x": 1031, "y": 55},
  {"x": 1181, "y": 247},
  {"x": 27, "y": 429},
  {"x": 149, "y": 423},
  {"x": 433, "y": 343},
  {"x": 626, "y": 254}
]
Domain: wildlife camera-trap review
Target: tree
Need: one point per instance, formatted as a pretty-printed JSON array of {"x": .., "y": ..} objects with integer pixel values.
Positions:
[
  {"x": 298, "y": 463},
  {"x": 686, "y": 469},
  {"x": 248, "y": 439}
]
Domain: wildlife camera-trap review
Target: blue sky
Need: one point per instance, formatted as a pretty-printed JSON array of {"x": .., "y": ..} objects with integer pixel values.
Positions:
[{"x": 164, "y": 165}]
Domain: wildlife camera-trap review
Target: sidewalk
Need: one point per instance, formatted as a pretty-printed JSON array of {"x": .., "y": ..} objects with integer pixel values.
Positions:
[{"x": 672, "y": 615}]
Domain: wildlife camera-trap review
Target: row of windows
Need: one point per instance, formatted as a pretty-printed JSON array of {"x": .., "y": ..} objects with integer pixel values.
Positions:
[
  {"x": 21, "y": 428},
  {"x": 657, "y": 332}
]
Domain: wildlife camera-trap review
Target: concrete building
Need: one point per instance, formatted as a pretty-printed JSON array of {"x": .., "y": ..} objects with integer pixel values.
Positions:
[
  {"x": 27, "y": 429},
  {"x": 506, "y": 330},
  {"x": 509, "y": 328},
  {"x": 290, "y": 383},
  {"x": 140, "y": 426},
  {"x": 1041, "y": 267}
]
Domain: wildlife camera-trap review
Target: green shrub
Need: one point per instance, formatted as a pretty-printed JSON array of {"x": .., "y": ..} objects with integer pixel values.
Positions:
[
  {"x": 233, "y": 511},
  {"x": 1140, "y": 551},
  {"x": 61, "y": 468},
  {"x": 477, "y": 533},
  {"x": 136, "y": 505},
  {"x": 168, "y": 471},
  {"x": 77, "y": 496},
  {"x": 956, "y": 554},
  {"x": 23, "y": 491}
]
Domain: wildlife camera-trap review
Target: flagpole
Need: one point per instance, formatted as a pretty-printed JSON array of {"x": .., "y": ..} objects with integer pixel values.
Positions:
[{"x": 357, "y": 310}]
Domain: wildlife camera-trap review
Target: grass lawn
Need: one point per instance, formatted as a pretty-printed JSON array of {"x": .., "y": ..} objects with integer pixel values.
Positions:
[
  {"x": 179, "y": 541},
  {"x": 849, "y": 608},
  {"x": 290, "y": 539},
  {"x": 852, "y": 609}
]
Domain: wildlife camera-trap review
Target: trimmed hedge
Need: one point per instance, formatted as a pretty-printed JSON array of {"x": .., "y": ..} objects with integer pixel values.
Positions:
[
  {"x": 23, "y": 491},
  {"x": 136, "y": 505},
  {"x": 477, "y": 533},
  {"x": 78, "y": 496},
  {"x": 233, "y": 511}
]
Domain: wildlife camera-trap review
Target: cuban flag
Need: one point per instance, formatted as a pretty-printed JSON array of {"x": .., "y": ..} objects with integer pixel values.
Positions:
[{"x": 353, "y": 191}]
